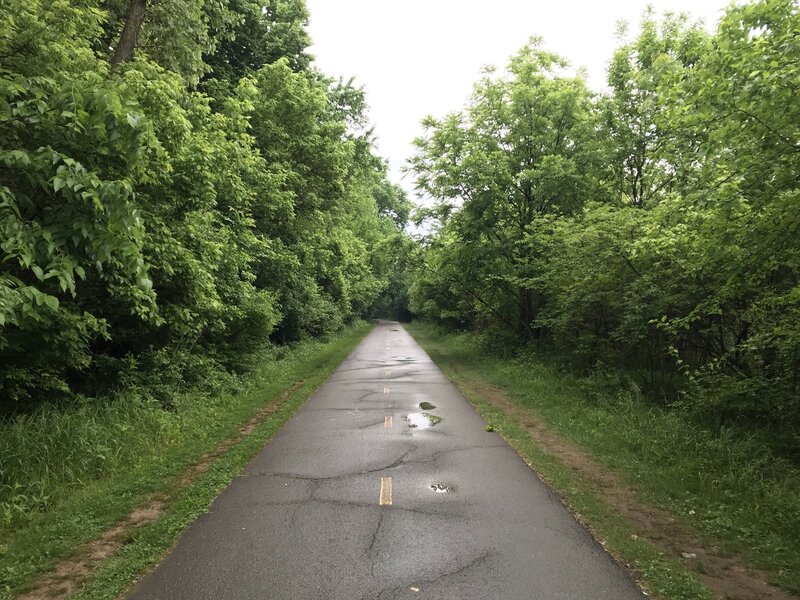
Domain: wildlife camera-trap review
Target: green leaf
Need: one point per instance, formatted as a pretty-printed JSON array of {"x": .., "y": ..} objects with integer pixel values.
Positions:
[{"x": 51, "y": 302}]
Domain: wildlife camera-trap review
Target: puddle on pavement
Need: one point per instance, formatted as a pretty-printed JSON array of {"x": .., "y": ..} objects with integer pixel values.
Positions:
[
  {"x": 422, "y": 420},
  {"x": 426, "y": 406},
  {"x": 442, "y": 488}
]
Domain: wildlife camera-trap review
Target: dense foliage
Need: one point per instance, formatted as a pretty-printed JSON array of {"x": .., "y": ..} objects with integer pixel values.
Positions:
[
  {"x": 655, "y": 226},
  {"x": 179, "y": 186}
]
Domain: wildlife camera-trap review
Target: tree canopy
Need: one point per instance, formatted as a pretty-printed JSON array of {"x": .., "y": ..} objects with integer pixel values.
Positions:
[
  {"x": 652, "y": 227},
  {"x": 179, "y": 187}
]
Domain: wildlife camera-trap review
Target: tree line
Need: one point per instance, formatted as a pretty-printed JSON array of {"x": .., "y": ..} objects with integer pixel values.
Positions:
[
  {"x": 180, "y": 187},
  {"x": 655, "y": 226}
]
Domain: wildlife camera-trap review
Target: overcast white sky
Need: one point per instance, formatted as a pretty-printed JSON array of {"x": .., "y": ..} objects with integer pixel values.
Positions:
[{"x": 420, "y": 57}]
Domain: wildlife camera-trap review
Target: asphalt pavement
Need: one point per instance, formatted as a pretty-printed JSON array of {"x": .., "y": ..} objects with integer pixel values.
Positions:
[{"x": 365, "y": 494}]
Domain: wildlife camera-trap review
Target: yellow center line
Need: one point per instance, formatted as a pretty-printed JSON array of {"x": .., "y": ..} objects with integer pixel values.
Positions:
[
  {"x": 385, "y": 498},
  {"x": 386, "y": 390},
  {"x": 387, "y": 422}
]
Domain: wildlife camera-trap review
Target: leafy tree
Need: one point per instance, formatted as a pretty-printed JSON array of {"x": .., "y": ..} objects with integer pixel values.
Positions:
[
  {"x": 738, "y": 110},
  {"x": 641, "y": 171},
  {"x": 152, "y": 233},
  {"x": 696, "y": 296},
  {"x": 521, "y": 150},
  {"x": 176, "y": 34},
  {"x": 262, "y": 33},
  {"x": 73, "y": 145}
]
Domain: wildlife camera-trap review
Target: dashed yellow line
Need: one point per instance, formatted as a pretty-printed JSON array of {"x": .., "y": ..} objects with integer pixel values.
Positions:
[
  {"x": 385, "y": 497},
  {"x": 387, "y": 422},
  {"x": 386, "y": 390}
]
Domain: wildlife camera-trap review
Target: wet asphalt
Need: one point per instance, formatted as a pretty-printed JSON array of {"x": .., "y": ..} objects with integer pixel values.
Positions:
[{"x": 468, "y": 519}]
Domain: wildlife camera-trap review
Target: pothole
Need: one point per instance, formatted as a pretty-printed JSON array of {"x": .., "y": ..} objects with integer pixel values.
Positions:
[
  {"x": 426, "y": 406},
  {"x": 422, "y": 420},
  {"x": 442, "y": 488}
]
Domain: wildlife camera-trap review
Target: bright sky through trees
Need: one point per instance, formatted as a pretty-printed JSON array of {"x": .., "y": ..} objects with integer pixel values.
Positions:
[{"x": 418, "y": 57}]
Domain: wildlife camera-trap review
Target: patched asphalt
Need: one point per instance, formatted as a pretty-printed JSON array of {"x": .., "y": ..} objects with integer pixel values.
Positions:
[{"x": 468, "y": 519}]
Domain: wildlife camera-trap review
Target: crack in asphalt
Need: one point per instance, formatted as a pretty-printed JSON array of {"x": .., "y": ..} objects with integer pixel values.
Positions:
[
  {"x": 375, "y": 424},
  {"x": 435, "y": 456},
  {"x": 401, "y": 460},
  {"x": 373, "y": 540},
  {"x": 395, "y": 463},
  {"x": 370, "y": 505},
  {"x": 393, "y": 591},
  {"x": 352, "y": 410},
  {"x": 293, "y": 518},
  {"x": 366, "y": 395},
  {"x": 348, "y": 504}
]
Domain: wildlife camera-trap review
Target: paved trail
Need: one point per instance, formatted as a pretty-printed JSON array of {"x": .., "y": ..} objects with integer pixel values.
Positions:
[{"x": 350, "y": 502}]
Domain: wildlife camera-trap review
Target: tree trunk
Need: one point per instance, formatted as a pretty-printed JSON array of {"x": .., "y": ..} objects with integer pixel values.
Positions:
[
  {"x": 130, "y": 32},
  {"x": 525, "y": 313}
]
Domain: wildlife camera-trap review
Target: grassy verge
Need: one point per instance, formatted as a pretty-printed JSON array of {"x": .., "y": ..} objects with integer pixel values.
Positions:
[
  {"x": 145, "y": 449},
  {"x": 729, "y": 488}
]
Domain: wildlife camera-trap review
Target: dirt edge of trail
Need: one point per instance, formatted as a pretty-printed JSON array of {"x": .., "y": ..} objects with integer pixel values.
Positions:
[
  {"x": 727, "y": 577},
  {"x": 64, "y": 578}
]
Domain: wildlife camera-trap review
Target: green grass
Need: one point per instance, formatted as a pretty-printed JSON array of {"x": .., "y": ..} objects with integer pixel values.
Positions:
[
  {"x": 70, "y": 474},
  {"x": 729, "y": 487}
]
